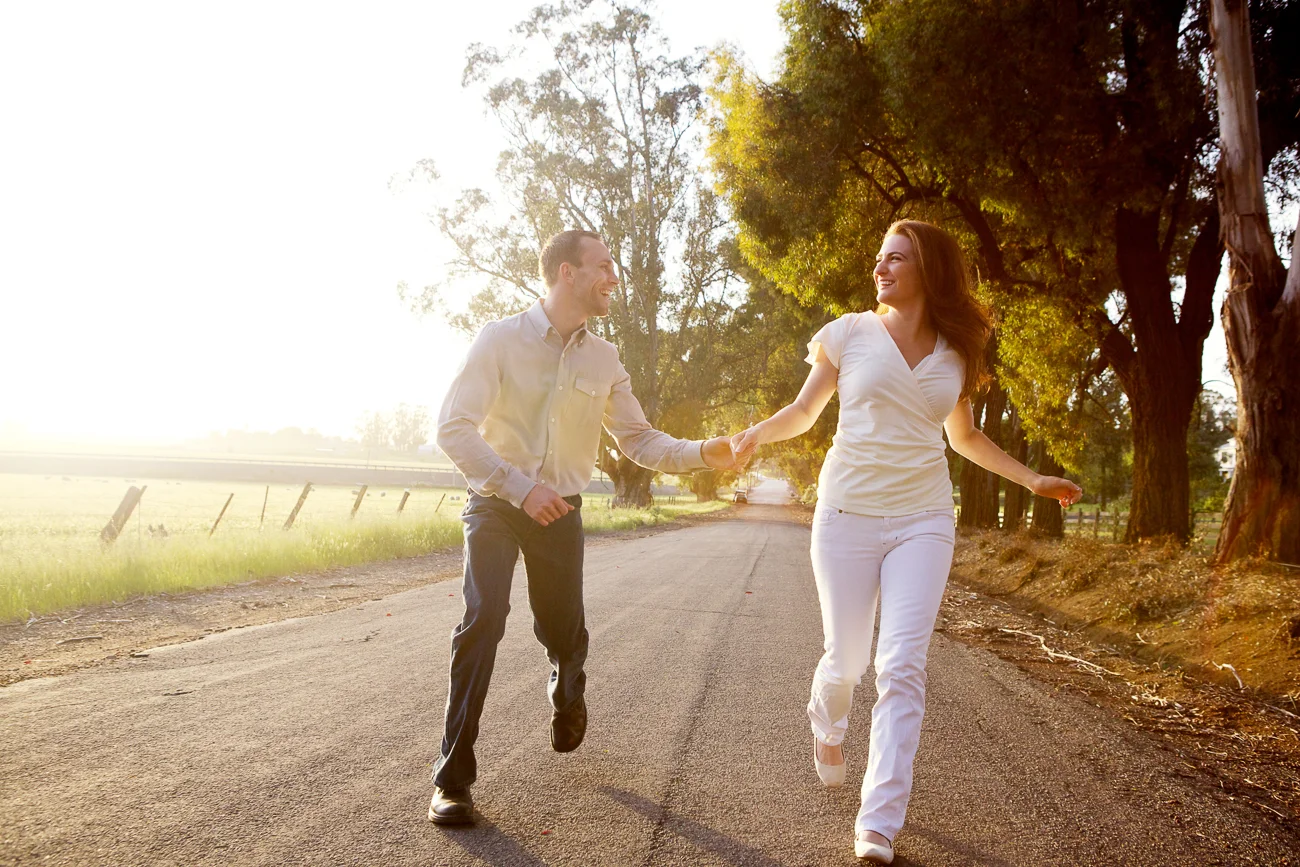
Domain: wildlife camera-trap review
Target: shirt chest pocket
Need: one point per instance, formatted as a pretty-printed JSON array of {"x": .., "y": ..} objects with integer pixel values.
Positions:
[{"x": 589, "y": 397}]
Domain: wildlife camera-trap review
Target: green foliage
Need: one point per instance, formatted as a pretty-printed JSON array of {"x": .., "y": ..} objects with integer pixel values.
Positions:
[
  {"x": 1043, "y": 358},
  {"x": 1214, "y": 424},
  {"x": 606, "y": 137},
  {"x": 1070, "y": 147},
  {"x": 1106, "y": 470}
]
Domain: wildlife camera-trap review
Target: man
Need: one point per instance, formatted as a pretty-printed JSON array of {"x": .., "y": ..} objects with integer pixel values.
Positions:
[{"x": 522, "y": 421}]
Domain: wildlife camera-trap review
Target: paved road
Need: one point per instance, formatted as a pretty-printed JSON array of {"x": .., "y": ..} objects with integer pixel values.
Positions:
[
  {"x": 310, "y": 742},
  {"x": 772, "y": 492}
]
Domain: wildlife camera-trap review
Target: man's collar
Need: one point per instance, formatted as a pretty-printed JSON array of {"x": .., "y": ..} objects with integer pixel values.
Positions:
[{"x": 537, "y": 316}]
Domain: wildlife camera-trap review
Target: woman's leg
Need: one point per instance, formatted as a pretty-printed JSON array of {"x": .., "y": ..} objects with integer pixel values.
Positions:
[
  {"x": 913, "y": 575},
  {"x": 846, "y": 554}
]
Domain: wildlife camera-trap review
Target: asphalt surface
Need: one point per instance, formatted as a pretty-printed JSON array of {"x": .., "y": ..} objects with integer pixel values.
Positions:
[{"x": 310, "y": 741}]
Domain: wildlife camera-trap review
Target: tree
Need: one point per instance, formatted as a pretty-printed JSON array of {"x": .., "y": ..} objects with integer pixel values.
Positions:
[
  {"x": 1079, "y": 167},
  {"x": 1106, "y": 464},
  {"x": 1261, "y": 315},
  {"x": 605, "y": 139},
  {"x": 375, "y": 430},
  {"x": 409, "y": 427},
  {"x": 1213, "y": 423}
]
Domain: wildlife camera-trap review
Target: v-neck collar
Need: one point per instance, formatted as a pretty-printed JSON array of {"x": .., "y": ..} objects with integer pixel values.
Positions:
[{"x": 898, "y": 353}]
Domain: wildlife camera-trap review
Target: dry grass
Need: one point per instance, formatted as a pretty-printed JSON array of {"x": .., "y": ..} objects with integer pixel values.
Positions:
[
  {"x": 51, "y": 558},
  {"x": 1162, "y": 602}
]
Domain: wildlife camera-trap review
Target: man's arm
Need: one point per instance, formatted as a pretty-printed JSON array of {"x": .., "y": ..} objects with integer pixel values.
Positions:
[
  {"x": 468, "y": 401},
  {"x": 626, "y": 422}
]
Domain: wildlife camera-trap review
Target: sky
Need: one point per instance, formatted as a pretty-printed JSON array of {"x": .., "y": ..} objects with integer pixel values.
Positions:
[
  {"x": 198, "y": 229},
  {"x": 197, "y": 224}
]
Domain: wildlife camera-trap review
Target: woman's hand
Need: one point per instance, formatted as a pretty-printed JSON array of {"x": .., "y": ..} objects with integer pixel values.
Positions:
[
  {"x": 1064, "y": 491},
  {"x": 744, "y": 444}
]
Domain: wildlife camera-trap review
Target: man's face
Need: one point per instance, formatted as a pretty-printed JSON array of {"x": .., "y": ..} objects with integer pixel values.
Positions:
[{"x": 594, "y": 280}]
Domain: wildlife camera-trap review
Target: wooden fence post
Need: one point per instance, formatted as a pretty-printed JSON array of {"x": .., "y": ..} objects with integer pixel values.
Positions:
[
  {"x": 219, "y": 517},
  {"x": 265, "y": 497},
  {"x": 361, "y": 494},
  {"x": 122, "y": 515},
  {"x": 406, "y": 495},
  {"x": 1096, "y": 522},
  {"x": 440, "y": 499},
  {"x": 302, "y": 498}
]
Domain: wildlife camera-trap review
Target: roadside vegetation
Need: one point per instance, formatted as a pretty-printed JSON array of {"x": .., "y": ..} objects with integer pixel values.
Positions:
[
  {"x": 51, "y": 557},
  {"x": 1237, "y": 624}
]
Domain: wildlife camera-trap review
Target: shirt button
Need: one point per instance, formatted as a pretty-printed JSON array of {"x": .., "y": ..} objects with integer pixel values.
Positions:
[
  {"x": 559, "y": 388},
  {"x": 552, "y": 421}
]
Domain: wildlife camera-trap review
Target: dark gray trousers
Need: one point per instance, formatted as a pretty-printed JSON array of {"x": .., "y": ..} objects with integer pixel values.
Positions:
[{"x": 495, "y": 534}]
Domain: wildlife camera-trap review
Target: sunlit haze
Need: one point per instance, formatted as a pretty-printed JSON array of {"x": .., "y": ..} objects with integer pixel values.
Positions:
[{"x": 199, "y": 233}]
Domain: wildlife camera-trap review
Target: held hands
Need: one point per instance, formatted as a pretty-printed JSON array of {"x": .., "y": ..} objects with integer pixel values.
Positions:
[
  {"x": 544, "y": 505},
  {"x": 744, "y": 444},
  {"x": 1064, "y": 491},
  {"x": 718, "y": 454}
]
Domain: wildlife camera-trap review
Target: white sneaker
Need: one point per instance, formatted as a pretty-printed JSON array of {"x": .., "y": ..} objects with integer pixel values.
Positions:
[
  {"x": 876, "y": 853},
  {"x": 832, "y": 776}
]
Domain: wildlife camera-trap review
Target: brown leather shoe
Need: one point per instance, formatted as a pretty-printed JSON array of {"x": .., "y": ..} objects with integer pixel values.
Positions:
[
  {"x": 451, "y": 807},
  {"x": 568, "y": 727}
]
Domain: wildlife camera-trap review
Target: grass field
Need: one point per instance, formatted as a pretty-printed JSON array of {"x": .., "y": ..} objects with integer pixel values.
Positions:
[{"x": 51, "y": 557}]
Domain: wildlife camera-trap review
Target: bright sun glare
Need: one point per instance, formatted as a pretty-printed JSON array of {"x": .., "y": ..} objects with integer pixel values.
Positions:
[{"x": 198, "y": 227}]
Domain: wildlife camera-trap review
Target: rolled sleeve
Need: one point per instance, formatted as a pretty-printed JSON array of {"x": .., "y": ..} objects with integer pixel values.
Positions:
[
  {"x": 472, "y": 393},
  {"x": 626, "y": 422}
]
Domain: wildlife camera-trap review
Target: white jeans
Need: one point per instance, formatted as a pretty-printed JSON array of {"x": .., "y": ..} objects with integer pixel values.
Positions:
[{"x": 903, "y": 562}]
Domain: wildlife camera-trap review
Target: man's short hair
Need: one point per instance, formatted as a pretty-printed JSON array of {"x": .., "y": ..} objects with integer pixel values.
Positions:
[{"x": 559, "y": 249}]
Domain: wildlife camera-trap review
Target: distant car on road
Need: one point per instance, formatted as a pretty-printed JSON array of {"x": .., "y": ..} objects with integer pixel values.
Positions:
[{"x": 739, "y": 497}]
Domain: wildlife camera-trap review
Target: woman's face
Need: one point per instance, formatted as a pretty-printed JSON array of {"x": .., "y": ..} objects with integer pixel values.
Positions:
[{"x": 898, "y": 278}]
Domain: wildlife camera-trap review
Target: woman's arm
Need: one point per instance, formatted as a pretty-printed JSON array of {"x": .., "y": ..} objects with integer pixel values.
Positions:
[
  {"x": 971, "y": 443},
  {"x": 796, "y": 418}
]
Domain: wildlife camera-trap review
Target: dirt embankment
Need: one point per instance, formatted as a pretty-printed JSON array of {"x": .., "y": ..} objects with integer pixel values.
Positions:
[{"x": 1238, "y": 626}]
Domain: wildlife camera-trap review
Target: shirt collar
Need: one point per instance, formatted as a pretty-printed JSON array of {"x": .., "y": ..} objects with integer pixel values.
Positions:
[{"x": 536, "y": 316}]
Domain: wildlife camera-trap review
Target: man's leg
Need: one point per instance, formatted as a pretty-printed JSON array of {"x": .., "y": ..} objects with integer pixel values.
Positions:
[
  {"x": 491, "y": 550},
  {"x": 553, "y": 558}
]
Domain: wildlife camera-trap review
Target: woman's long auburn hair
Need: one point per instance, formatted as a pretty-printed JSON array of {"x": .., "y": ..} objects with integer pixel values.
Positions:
[{"x": 950, "y": 299}]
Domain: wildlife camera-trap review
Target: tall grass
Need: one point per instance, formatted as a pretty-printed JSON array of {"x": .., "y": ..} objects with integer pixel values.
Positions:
[{"x": 44, "y": 577}]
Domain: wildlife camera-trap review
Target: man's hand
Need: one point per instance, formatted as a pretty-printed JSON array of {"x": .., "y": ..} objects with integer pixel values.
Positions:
[
  {"x": 543, "y": 505},
  {"x": 718, "y": 455}
]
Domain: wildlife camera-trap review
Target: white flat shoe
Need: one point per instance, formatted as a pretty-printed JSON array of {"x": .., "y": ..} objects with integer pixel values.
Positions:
[
  {"x": 832, "y": 776},
  {"x": 876, "y": 853}
]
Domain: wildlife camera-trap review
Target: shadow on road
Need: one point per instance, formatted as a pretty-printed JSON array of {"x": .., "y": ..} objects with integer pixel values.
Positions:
[
  {"x": 956, "y": 847},
  {"x": 489, "y": 843},
  {"x": 715, "y": 843}
]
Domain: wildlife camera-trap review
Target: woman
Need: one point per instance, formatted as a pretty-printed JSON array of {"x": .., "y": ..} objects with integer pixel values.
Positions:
[{"x": 883, "y": 528}]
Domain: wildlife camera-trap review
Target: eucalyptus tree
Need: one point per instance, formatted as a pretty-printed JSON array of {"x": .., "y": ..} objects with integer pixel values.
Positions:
[
  {"x": 1261, "y": 317},
  {"x": 1072, "y": 144},
  {"x": 602, "y": 128}
]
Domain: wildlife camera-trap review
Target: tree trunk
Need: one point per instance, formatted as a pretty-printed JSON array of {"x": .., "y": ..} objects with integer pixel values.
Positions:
[
  {"x": 1162, "y": 378},
  {"x": 1013, "y": 513},
  {"x": 704, "y": 484},
  {"x": 1161, "y": 486},
  {"x": 1048, "y": 518},
  {"x": 1261, "y": 317},
  {"x": 631, "y": 484},
  {"x": 979, "y": 488}
]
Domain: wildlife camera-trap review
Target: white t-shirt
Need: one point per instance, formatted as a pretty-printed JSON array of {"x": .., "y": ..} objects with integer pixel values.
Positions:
[{"x": 888, "y": 454}]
